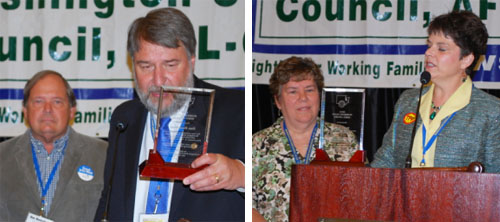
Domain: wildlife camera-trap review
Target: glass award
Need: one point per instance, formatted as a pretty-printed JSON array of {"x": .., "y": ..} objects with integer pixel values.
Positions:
[
  {"x": 343, "y": 106},
  {"x": 193, "y": 134}
]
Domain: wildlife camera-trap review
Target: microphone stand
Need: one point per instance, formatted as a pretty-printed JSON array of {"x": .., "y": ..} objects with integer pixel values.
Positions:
[
  {"x": 424, "y": 79},
  {"x": 120, "y": 127}
]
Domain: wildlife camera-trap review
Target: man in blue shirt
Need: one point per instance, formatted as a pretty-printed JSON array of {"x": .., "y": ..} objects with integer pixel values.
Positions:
[{"x": 50, "y": 171}]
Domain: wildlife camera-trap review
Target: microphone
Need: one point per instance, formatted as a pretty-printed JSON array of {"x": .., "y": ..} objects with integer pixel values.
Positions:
[
  {"x": 120, "y": 127},
  {"x": 425, "y": 77}
]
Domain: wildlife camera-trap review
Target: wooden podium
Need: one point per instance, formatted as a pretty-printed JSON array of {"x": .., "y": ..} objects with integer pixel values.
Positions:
[{"x": 330, "y": 193}]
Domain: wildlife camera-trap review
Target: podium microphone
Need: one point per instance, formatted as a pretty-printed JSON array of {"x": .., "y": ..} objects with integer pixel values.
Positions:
[
  {"x": 120, "y": 127},
  {"x": 425, "y": 77}
]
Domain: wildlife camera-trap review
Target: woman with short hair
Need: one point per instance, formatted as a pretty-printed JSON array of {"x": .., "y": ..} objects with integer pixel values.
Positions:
[
  {"x": 295, "y": 86},
  {"x": 458, "y": 123}
]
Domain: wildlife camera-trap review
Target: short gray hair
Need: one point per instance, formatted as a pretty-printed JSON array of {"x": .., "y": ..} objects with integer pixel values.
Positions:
[
  {"x": 40, "y": 75},
  {"x": 167, "y": 27}
]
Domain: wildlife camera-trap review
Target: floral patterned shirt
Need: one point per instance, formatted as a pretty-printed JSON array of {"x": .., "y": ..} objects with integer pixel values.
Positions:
[{"x": 272, "y": 161}]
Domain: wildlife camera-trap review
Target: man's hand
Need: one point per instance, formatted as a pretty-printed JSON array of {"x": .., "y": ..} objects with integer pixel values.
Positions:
[{"x": 221, "y": 173}]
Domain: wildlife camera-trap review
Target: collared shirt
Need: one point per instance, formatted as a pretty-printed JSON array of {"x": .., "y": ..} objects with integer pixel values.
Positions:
[
  {"x": 46, "y": 162},
  {"x": 458, "y": 100},
  {"x": 142, "y": 187}
]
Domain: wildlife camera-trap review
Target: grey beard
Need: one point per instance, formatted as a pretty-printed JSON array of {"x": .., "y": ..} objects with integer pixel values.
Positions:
[{"x": 179, "y": 99}]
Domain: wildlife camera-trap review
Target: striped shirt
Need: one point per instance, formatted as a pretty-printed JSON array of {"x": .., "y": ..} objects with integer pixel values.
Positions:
[{"x": 47, "y": 162}]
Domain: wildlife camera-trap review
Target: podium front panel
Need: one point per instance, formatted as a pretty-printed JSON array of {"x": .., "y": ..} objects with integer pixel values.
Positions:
[{"x": 363, "y": 193}]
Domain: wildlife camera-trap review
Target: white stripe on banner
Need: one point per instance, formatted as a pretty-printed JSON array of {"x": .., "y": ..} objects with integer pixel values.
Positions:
[
  {"x": 363, "y": 43},
  {"x": 86, "y": 42}
]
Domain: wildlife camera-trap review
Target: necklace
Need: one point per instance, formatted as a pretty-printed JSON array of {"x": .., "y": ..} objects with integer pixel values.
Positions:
[{"x": 434, "y": 110}]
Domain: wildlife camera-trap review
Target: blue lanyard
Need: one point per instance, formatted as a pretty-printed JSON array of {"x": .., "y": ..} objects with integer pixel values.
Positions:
[
  {"x": 153, "y": 205},
  {"x": 45, "y": 188},
  {"x": 433, "y": 138},
  {"x": 292, "y": 146},
  {"x": 168, "y": 157}
]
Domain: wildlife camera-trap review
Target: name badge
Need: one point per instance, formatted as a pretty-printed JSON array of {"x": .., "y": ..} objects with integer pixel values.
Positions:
[
  {"x": 153, "y": 217},
  {"x": 37, "y": 218}
]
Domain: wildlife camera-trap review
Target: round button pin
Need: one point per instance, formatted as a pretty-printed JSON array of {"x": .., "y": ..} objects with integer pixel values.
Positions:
[{"x": 85, "y": 173}]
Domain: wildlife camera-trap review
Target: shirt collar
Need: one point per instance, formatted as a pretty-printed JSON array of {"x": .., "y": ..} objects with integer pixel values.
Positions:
[
  {"x": 173, "y": 125},
  {"x": 179, "y": 114},
  {"x": 59, "y": 144},
  {"x": 458, "y": 100}
]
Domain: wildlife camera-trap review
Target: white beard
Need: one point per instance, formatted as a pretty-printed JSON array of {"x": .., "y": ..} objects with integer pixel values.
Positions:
[{"x": 178, "y": 101}]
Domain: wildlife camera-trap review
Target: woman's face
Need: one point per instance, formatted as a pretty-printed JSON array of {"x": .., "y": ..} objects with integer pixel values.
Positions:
[
  {"x": 442, "y": 58},
  {"x": 299, "y": 101}
]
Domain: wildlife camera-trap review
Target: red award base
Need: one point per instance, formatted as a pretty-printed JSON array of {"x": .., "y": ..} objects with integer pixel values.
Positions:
[
  {"x": 155, "y": 167},
  {"x": 357, "y": 159}
]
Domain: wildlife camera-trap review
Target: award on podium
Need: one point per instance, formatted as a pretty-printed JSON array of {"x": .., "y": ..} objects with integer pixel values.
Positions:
[
  {"x": 195, "y": 129},
  {"x": 345, "y": 107}
]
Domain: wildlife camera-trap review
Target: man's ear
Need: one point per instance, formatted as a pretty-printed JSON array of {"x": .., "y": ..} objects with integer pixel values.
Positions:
[
  {"x": 192, "y": 60},
  {"x": 72, "y": 112},
  {"x": 26, "y": 120}
]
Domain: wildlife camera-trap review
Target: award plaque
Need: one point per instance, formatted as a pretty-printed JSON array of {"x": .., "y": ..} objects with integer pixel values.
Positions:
[
  {"x": 193, "y": 134},
  {"x": 345, "y": 107}
]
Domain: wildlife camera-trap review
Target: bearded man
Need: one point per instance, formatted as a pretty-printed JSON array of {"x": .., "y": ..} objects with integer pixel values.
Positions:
[{"x": 162, "y": 47}]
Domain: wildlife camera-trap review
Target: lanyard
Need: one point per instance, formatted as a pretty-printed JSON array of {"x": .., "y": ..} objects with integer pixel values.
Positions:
[
  {"x": 153, "y": 204},
  {"x": 45, "y": 188},
  {"x": 292, "y": 146},
  {"x": 433, "y": 138}
]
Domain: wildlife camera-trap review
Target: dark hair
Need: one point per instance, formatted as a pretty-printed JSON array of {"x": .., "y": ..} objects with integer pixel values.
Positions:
[
  {"x": 40, "y": 75},
  {"x": 466, "y": 30},
  {"x": 167, "y": 27},
  {"x": 296, "y": 69}
]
